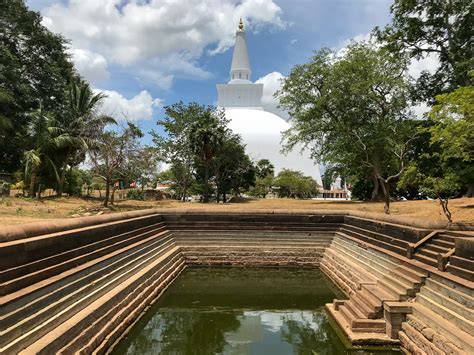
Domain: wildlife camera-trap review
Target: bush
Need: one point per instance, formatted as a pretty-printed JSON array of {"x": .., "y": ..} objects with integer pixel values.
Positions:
[{"x": 135, "y": 194}]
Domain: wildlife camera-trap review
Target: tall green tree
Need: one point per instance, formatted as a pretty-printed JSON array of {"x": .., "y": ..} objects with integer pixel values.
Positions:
[
  {"x": 439, "y": 28},
  {"x": 83, "y": 122},
  {"x": 354, "y": 111},
  {"x": 173, "y": 145},
  {"x": 47, "y": 140},
  {"x": 34, "y": 70},
  {"x": 207, "y": 134}
]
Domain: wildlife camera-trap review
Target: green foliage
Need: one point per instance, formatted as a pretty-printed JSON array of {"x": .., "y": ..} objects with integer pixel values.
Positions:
[
  {"x": 293, "y": 184},
  {"x": 265, "y": 168},
  {"x": 34, "y": 70},
  {"x": 353, "y": 110},
  {"x": 453, "y": 129},
  {"x": 362, "y": 190},
  {"x": 135, "y": 194},
  {"x": 440, "y": 28},
  {"x": 263, "y": 186}
]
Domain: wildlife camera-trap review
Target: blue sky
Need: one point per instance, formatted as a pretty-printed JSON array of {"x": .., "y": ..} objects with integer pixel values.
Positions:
[{"x": 147, "y": 54}]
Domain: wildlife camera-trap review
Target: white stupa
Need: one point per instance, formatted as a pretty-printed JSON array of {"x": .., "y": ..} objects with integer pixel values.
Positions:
[{"x": 260, "y": 130}]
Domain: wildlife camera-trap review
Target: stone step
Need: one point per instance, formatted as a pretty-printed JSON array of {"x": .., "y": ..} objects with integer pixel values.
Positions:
[
  {"x": 442, "y": 243},
  {"x": 379, "y": 294},
  {"x": 395, "y": 290},
  {"x": 406, "y": 279},
  {"x": 429, "y": 253},
  {"x": 455, "y": 292},
  {"x": 84, "y": 281},
  {"x": 413, "y": 272},
  {"x": 367, "y": 305},
  {"x": 344, "y": 284},
  {"x": 27, "y": 250},
  {"x": 358, "y": 256},
  {"x": 463, "y": 263},
  {"x": 40, "y": 273},
  {"x": 356, "y": 265},
  {"x": 379, "y": 243},
  {"x": 339, "y": 274},
  {"x": 376, "y": 235},
  {"x": 456, "y": 335},
  {"x": 263, "y": 243},
  {"x": 39, "y": 289},
  {"x": 426, "y": 260},
  {"x": 94, "y": 337},
  {"x": 446, "y": 313},
  {"x": 445, "y": 237},
  {"x": 368, "y": 326},
  {"x": 110, "y": 302},
  {"x": 27, "y": 268},
  {"x": 382, "y": 260},
  {"x": 73, "y": 302},
  {"x": 436, "y": 248},
  {"x": 461, "y": 272},
  {"x": 354, "y": 309},
  {"x": 447, "y": 302},
  {"x": 347, "y": 314}
]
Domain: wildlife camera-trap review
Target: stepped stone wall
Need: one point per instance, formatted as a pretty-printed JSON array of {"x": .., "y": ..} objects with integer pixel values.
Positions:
[{"x": 76, "y": 285}]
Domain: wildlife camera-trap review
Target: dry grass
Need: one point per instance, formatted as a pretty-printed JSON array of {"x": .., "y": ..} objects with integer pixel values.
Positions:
[{"x": 15, "y": 210}]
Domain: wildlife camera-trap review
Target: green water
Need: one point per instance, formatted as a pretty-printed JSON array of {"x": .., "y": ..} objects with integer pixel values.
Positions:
[{"x": 239, "y": 311}]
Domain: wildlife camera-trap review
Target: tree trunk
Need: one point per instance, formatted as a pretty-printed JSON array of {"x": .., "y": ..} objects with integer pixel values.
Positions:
[
  {"x": 224, "y": 197},
  {"x": 63, "y": 176},
  {"x": 107, "y": 192},
  {"x": 34, "y": 175},
  {"x": 470, "y": 191},
  {"x": 206, "y": 180},
  {"x": 112, "y": 197},
  {"x": 444, "y": 204},
  {"x": 386, "y": 196}
]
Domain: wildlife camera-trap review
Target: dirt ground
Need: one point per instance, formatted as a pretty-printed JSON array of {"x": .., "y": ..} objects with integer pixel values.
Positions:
[{"x": 20, "y": 210}]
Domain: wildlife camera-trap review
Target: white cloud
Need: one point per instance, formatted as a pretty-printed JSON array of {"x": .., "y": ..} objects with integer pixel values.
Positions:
[
  {"x": 272, "y": 83},
  {"x": 429, "y": 62},
  {"x": 139, "y": 107},
  {"x": 92, "y": 66},
  {"x": 136, "y": 33}
]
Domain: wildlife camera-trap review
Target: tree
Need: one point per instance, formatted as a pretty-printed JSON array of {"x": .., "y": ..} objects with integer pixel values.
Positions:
[
  {"x": 34, "y": 71},
  {"x": 47, "y": 139},
  {"x": 353, "y": 110},
  {"x": 265, "y": 168},
  {"x": 83, "y": 124},
  {"x": 206, "y": 136},
  {"x": 439, "y": 28},
  {"x": 111, "y": 154},
  {"x": 293, "y": 184},
  {"x": 453, "y": 130},
  {"x": 173, "y": 147},
  {"x": 144, "y": 167}
]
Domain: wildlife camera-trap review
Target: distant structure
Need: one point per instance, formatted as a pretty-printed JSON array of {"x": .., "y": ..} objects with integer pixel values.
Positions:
[{"x": 260, "y": 130}]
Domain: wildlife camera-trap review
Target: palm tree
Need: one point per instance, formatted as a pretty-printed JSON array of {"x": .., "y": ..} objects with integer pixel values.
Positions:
[
  {"x": 82, "y": 122},
  {"x": 48, "y": 138}
]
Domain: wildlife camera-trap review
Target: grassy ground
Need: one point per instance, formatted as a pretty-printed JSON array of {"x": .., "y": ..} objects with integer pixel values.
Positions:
[{"x": 19, "y": 210}]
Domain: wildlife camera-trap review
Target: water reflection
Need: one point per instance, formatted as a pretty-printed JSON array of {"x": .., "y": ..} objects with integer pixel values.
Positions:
[{"x": 239, "y": 311}]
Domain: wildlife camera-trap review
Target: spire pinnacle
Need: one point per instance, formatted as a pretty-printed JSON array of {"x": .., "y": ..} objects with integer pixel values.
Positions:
[{"x": 241, "y": 25}]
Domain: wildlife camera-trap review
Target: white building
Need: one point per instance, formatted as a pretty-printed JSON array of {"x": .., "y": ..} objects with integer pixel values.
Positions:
[{"x": 260, "y": 130}]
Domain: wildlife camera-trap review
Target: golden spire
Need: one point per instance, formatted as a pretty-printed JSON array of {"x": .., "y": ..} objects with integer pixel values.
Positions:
[{"x": 241, "y": 25}]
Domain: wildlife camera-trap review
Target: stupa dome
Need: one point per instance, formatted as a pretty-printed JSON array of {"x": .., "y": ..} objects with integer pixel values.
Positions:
[{"x": 261, "y": 132}]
